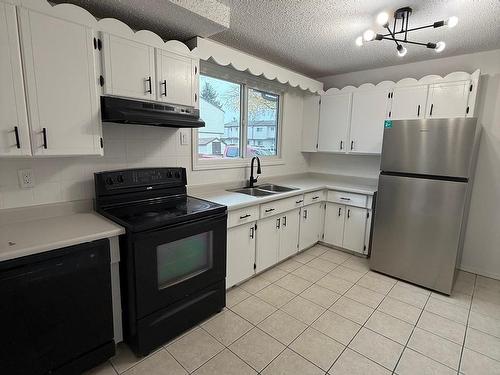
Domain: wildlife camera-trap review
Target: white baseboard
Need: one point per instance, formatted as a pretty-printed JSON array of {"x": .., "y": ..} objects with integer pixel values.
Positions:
[{"x": 480, "y": 272}]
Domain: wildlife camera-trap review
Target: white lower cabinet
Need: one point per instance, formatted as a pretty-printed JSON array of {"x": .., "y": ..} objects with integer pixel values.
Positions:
[
  {"x": 240, "y": 253},
  {"x": 345, "y": 226},
  {"x": 311, "y": 225},
  {"x": 277, "y": 238},
  {"x": 289, "y": 236}
]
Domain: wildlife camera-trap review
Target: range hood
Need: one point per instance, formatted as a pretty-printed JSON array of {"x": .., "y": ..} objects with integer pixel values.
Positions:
[{"x": 126, "y": 111}]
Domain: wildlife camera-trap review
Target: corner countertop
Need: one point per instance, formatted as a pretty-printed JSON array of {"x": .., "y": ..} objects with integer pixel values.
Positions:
[
  {"x": 304, "y": 184},
  {"x": 44, "y": 234}
]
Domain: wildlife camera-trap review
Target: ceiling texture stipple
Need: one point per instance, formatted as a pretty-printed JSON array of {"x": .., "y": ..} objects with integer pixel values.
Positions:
[{"x": 313, "y": 37}]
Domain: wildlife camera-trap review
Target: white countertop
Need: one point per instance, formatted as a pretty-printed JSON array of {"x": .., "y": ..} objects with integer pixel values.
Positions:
[
  {"x": 36, "y": 236},
  {"x": 304, "y": 184}
]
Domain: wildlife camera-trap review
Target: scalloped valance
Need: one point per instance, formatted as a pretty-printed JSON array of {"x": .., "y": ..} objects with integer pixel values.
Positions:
[{"x": 207, "y": 49}]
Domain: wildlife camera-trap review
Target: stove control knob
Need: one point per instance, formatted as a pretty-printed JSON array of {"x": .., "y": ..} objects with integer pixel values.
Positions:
[
  {"x": 109, "y": 181},
  {"x": 119, "y": 178}
]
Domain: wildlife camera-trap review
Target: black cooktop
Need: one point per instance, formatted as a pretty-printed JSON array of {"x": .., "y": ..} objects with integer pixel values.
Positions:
[
  {"x": 139, "y": 216},
  {"x": 148, "y": 198}
]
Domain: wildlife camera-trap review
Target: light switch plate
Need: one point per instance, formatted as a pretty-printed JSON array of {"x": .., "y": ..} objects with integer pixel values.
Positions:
[
  {"x": 26, "y": 178},
  {"x": 184, "y": 138}
]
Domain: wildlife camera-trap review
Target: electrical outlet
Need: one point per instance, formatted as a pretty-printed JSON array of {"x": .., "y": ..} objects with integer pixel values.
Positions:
[
  {"x": 26, "y": 178},
  {"x": 184, "y": 137}
]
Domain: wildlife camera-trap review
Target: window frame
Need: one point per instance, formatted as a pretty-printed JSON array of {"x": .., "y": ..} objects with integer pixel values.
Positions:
[{"x": 244, "y": 160}]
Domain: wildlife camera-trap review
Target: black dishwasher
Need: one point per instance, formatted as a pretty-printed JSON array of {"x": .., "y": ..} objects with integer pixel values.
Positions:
[{"x": 56, "y": 311}]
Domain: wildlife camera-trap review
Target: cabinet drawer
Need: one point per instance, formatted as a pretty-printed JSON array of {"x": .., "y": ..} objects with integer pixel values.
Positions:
[
  {"x": 242, "y": 216},
  {"x": 350, "y": 199},
  {"x": 314, "y": 197},
  {"x": 282, "y": 205}
]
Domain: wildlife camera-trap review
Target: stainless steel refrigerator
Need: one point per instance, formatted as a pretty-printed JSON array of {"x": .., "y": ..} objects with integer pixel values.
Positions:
[{"x": 423, "y": 198}]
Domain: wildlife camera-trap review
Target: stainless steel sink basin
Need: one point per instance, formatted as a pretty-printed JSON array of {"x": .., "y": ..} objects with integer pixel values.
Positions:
[
  {"x": 253, "y": 191},
  {"x": 275, "y": 188}
]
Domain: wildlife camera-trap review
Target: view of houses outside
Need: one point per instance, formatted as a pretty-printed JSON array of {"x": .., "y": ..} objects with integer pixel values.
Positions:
[{"x": 220, "y": 108}]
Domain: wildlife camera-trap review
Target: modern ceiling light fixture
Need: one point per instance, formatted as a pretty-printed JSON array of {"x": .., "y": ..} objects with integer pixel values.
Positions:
[{"x": 399, "y": 32}]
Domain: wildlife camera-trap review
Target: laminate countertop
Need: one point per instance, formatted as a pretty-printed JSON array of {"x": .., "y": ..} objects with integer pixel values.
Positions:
[
  {"x": 44, "y": 234},
  {"x": 303, "y": 185}
]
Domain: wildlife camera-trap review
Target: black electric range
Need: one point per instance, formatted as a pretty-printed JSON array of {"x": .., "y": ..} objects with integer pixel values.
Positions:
[{"x": 173, "y": 254}]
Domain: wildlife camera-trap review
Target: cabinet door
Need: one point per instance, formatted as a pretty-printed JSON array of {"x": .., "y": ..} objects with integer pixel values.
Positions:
[
  {"x": 195, "y": 67},
  {"x": 334, "y": 118},
  {"x": 289, "y": 237},
  {"x": 334, "y": 224},
  {"x": 240, "y": 253},
  {"x": 448, "y": 100},
  {"x": 268, "y": 242},
  {"x": 174, "y": 78},
  {"x": 369, "y": 110},
  {"x": 61, "y": 85},
  {"x": 128, "y": 68},
  {"x": 310, "y": 123},
  {"x": 311, "y": 225},
  {"x": 408, "y": 103},
  {"x": 14, "y": 131},
  {"x": 354, "y": 229}
]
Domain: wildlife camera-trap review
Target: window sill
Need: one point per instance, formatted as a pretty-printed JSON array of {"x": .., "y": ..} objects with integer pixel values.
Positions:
[{"x": 200, "y": 165}]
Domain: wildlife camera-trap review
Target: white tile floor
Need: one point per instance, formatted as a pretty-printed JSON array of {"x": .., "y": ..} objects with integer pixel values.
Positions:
[{"x": 324, "y": 312}]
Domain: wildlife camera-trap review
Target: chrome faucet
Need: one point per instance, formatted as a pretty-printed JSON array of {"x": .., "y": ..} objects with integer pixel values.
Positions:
[{"x": 259, "y": 171}]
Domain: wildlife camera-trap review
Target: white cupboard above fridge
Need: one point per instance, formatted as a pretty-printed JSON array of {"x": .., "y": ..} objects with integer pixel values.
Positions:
[{"x": 351, "y": 120}]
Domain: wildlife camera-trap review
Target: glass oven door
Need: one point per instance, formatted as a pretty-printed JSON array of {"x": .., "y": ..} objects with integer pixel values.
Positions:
[{"x": 174, "y": 262}]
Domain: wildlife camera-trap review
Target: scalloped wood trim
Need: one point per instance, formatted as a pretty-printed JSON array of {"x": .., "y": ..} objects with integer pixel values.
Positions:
[
  {"x": 109, "y": 25},
  {"x": 241, "y": 61},
  {"x": 426, "y": 80}
]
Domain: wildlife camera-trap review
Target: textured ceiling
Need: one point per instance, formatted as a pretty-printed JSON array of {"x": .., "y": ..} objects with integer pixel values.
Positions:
[{"x": 315, "y": 37}]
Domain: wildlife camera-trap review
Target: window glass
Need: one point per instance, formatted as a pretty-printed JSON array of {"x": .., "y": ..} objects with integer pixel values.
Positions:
[
  {"x": 220, "y": 108},
  {"x": 263, "y": 109}
]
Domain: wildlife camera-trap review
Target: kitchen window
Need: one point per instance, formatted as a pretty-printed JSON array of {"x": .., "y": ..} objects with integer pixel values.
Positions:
[{"x": 242, "y": 120}]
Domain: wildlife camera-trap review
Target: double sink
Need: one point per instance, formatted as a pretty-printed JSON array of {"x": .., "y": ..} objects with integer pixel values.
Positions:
[{"x": 263, "y": 190}]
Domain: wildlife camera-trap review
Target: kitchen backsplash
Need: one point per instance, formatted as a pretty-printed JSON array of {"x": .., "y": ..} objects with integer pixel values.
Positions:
[{"x": 128, "y": 146}]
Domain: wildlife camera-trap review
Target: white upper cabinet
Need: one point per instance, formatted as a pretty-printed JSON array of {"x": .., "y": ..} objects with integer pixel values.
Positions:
[
  {"x": 334, "y": 119},
  {"x": 448, "y": 100},
  {"x": 14, "y": 131},
  {"x": 369, "y": 110},
  {"x": 408, "y": 103},
  {"x": 310, "y": 123},
  {"x": 61, "y": 85},
  {"x": 174, "y": 78},
  {"x": 129, "y": 68}
]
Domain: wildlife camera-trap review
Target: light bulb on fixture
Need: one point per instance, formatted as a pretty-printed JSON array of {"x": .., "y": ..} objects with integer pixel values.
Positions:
[
  {"x": 401, "y": 50},
  {"x": 383, "y": 19},
  {"x": 440, "y": 46},
  {"x": 359, "y": 41},
  {"x": 451, "y": 22},
  {"x": 368, "y": 35}
]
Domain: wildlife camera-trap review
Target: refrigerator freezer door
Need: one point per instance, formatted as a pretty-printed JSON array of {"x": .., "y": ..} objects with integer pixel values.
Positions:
[
  {"x": 417, "y": 230},
  {"x": 440, "y": 147}
]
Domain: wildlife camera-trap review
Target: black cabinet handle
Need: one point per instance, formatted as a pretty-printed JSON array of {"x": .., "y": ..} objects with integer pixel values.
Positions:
[
  {"x": 300, "y": 201},
  {"x": 164, "y": 83},
  {"x": 314, "y": 198},
  {"x": 195, "y": 69},
  {"x": 432, "y": 107},
  {"x": 252, "y": 232},
  {"x": 341, "y": 145},
  {"x": 44, "y": 134},
  {"x": 340, "y": 210},
  {"x": 195, "y": 97},
  {"x": 278, "y": 223},
  {"x": 418, "y": 111},
  {"x": 305, "y": 214},
  {"x": 269, "y": 210},
  {"x": 345, "y": 199},
  {"x": 352, "y": 144},
  {"x": 245, "y": 216},
  {"x": 16, "y": 132},
  {"x": 284, "y": 221},
  {"x": 348, "y": 214},
  {"x": 150, "y": 89}
]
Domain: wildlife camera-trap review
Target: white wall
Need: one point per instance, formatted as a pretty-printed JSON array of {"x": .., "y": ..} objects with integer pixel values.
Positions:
[
  {"x": 129, "y": 146},
  {"x": 482, "y": 243}
]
